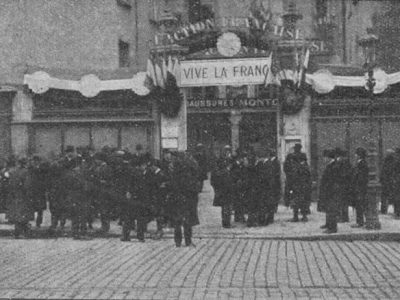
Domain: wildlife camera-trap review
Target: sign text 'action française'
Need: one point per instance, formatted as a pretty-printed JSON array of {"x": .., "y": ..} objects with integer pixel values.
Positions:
[{"x": 225, "y": 71}]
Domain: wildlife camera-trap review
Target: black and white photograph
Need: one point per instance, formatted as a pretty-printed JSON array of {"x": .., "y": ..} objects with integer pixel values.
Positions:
[{"x": 199, "y": 149}]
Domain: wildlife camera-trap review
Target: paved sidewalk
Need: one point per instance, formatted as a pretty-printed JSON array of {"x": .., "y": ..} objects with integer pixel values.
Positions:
[
  {"x": 210, "y": 226},
  {"x": 214, "y": 269}
]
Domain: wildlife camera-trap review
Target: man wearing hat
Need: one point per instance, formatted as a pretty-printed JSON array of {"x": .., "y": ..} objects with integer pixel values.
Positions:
[
  {"x": 70, "y": 160},
  {"x": 346, "y": 181},
  {"x": 387, "y": 180},
  {"x": 20, "y": 211},
  {"x": 330, "y": 192},
  {"x": 360, "y": 184},
  {"x": 39, "y": 172}
]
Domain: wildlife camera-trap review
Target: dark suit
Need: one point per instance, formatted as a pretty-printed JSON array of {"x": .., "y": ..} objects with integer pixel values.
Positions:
[
  {"x": 222, "y": 182},
  {"x": 360, "y": 184},
  {"x": 331, "y": 194},
  {"x": 388, "y": 182}
]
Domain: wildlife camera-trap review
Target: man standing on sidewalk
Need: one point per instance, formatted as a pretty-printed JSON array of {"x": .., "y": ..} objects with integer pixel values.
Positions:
[
  {"x": 20, "y": 210},
  {"x": 360, "y": 183},
  {"x": 330, "y": 192}
]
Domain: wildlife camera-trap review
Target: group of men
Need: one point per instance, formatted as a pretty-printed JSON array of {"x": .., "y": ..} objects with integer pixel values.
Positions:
[
  {"x": 246, "y": 185},
  {"x": 111, "y": 184},
  {"x": 343, "y": 185}
]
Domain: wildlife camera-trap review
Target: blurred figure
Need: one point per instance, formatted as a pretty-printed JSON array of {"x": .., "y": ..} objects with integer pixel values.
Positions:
[
  {"x": 298, "y": 183},
  {"x": 185, "y": 186},
  {"x": 223, "y": 183},
  {"x": 360, "y": 185},
  {"x": 20, "y": 209},
  {"x": 39, "y": 172},
  {"x": 330, "y": 192},
  {"x": 387, "y": 180},
  {"x": 346, "y": 171},
  {"x": 201, "y": 158}
]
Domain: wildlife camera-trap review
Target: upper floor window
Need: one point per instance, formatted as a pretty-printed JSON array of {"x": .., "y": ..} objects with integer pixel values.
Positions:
[{"x": 123, "y": 49}]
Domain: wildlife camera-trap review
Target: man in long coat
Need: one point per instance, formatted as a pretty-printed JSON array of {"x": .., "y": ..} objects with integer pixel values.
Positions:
[
  {"x": 360, "y": 184},
  {"x": 298, "y": 183},
  {"x": 185, "y": 186},
  {"x": 20, "y": 207},
  {"x": 39, "y": 171},
  {"x": 330, "y": 192},
  {"x": 274, "y": 186},
  {"x": 137, "y": 203},
  {"x": 387, "y": 180},
  {"x": 222, "y": 181}
]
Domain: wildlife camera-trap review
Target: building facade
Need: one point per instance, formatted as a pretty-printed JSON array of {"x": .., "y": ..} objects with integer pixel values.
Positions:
[
  {"x": 251, "y": 115},
  {"x": 78, "y": 53}
]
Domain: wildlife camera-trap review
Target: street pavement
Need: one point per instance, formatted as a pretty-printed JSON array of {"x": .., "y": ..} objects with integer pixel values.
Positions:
[
  {"x": 214, "y": 269},
  {"x": 238, "y": 263}
]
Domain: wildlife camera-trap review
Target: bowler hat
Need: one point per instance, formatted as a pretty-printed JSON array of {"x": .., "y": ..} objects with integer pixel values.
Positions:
[
  {"x": 361, "y": 152},
  {"x": 69, "y": 149}
]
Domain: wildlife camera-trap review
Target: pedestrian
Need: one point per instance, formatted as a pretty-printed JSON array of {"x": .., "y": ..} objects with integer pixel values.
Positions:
[
  {"x": 201, "y": 158},
  {"x": 20, "y": 207},
  {"x": 387, "y": 180},
  {"x": 346, "y": 171},
  {"x": 330, "y": 192},
  {"x": 298, "y": 184},
  {"x": 222, "y": 182},
  {"x": 360, "y": 186},
  {"x": 250, "y": 197},
  {"x": 58, "y": 205},
  {"x": 106, "y": 202},
  {"x": 274, "y": 182},
  {"x": 76, "y": 199},
  {"x": 39, "y": 172},
  {"x": 185, "y": 186},
  {"x": 137, "y": 203},
  {"x": 155, "y": 180}
]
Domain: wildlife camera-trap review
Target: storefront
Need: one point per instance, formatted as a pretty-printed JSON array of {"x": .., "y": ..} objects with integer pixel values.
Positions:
[{"x": 54, "y": 115}]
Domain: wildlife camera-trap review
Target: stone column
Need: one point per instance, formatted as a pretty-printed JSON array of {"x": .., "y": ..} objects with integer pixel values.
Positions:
[
  {"x": 235, "y": 119},
  {"x": 22, "y": 106}
]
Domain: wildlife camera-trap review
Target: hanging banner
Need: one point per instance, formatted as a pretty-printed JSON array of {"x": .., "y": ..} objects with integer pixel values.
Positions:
[{"x": 242, "y": 71}]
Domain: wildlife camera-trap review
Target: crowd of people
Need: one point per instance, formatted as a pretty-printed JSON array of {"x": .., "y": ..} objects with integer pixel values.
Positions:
[
  {"x": 134, "y": 189},
  {"x": 110, "y": 184},
  {"x": 250, "y": 186}
]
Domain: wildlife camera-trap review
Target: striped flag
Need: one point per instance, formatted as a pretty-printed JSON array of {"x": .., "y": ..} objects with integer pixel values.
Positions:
[
  {"x": 159, "y": 76},
  {"x": 151, "y": 72},
  {"x": 304, "y": 67}
]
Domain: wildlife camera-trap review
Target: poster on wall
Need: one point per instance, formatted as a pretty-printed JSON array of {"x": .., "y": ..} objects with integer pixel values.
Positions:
[{"x": 242, "y": 71}]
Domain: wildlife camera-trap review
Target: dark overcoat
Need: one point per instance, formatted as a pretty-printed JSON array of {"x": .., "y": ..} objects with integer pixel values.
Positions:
[
  {"x": 360, "y": 182},
  {"x": 20, "y": 206},
  {"x": 388, "y": 177},
  {"x": 222, "y": 181},
  {"x": 185, "y": 186},
  {"x": 40, "y": 185},
  {"x": 330, "y": 192}
]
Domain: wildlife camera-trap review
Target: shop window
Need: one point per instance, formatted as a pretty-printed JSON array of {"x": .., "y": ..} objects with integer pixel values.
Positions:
[{"x": 123, "y": 49}]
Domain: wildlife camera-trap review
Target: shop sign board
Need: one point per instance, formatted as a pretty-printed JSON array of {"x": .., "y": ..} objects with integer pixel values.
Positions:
[
  {"x": 199, "y": 104},
  {"x": 242, "y": 71}
]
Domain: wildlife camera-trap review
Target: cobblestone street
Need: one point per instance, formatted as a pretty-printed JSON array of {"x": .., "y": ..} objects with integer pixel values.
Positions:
[
  {"x": 214, "y": 269},
  {"x": 242, "y": 263}
]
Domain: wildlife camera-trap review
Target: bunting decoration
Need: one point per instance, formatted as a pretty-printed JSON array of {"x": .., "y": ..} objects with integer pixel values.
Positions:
[{"x": 165, "y": 74}]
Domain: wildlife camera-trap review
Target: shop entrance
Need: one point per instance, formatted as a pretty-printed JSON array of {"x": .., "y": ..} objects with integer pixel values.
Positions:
[
  {"x": 213, "y": 130},
  {"x": 258, "y": 131}
]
